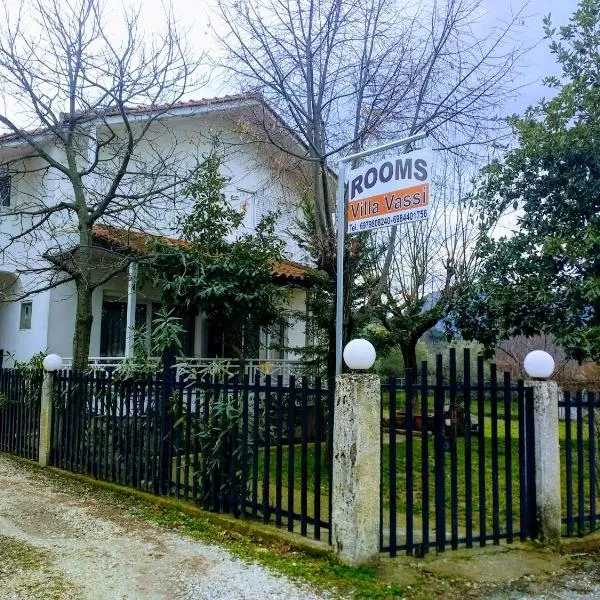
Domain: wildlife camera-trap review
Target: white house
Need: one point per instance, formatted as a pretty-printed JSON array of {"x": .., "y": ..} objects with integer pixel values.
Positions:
[{"x": 262, "y": 178}]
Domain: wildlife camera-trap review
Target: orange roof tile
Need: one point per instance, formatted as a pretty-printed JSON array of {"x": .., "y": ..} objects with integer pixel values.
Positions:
[
  {"x": 145, "y": 108},
  {"x": 140, "y": 110},
  {"x": 137, "y": 242}
]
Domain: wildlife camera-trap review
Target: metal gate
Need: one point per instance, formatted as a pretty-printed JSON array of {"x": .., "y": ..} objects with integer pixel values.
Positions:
[{"x": 457, "y": 458}]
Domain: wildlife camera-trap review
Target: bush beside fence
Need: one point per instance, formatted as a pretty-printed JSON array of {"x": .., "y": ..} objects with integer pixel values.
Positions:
[{"x": 238, "y": 446}]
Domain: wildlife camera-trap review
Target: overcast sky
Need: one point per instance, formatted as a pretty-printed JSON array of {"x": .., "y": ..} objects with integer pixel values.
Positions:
[
  {"x": 194, "y": 15},
  {"x": 538, "y": 62}
]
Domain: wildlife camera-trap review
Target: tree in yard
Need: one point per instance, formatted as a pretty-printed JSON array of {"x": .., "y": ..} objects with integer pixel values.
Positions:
[
  {"x": 217, "y": 270},
  {"x": 73, "y": 149},
  {"x": 431, "y": 262},
  {"x": 346, "y": 75},
  {"x": 545, "y": 277}
]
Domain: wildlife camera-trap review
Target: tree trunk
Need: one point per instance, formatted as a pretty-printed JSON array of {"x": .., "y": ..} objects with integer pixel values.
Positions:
[
  {"x": 409, "y": 354},
  {"x": 83, "y": 326}
]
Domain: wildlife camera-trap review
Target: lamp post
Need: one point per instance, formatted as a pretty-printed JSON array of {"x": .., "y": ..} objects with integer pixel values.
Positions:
[
  {"x": 356, "y": 458},
  {"x": 539, "y": 365},
  {"x": 359, "y": 355},
  {"x": 51, "y": 363}
]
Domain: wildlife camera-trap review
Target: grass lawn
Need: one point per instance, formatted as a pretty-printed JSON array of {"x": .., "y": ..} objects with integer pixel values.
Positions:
[{"x": 495, "y": 491}]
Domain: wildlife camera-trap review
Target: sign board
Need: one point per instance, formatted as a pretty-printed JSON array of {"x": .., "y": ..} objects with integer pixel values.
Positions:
[{"x": 392, "y": 192}]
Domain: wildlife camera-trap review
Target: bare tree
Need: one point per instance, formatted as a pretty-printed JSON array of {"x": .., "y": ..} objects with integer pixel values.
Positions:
[
  {"x": 75, "y": 146},
  {"x": 430, "y": 261},
  {"x": 568, "y": 373},
  {"x": 354, "y": 73}
]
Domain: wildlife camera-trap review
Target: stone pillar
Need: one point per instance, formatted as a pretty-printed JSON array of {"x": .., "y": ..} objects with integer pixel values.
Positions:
[
  {"x": 547, "y": 460},
  {"x": 356, "y": 501},
  {"x": 46, "y": 418}
]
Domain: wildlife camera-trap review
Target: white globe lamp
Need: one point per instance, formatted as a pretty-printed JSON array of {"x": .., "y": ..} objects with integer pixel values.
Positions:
[
  {"x": 359, "y": 355},
  {"x": 53, "y": 362},
  {"x": 539, "y": 364}
]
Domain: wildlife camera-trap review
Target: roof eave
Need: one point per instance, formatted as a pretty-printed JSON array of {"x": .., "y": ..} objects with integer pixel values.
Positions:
[{"x": 183, "y": 111}]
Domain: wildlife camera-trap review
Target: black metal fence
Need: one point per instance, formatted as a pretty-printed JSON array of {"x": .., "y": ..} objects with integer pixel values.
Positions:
[
  {"x": 20, "y": 413},
  {"x": 579, "y": 428},
  {"x": 457, "y": 451},
  {"x": 250, "y": 448},
  {"x": 458, "y": 459}
]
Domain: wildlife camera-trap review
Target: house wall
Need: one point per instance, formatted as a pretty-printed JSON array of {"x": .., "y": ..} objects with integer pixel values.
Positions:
[
  {"x": 32, "y": 188},
  {"x": 260, "y": 180},
  {"x": 53, "y": 320},
  {"x": 4, "y": 332},
  {"x": 61, "y": 319},
  {"x": 22, "y": 344}
]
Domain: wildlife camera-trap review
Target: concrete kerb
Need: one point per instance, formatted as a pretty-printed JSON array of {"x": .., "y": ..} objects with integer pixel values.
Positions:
[
  {"x": 243, "y": 526},
  {"x": 588, "y": 544},
  {"x": 510, "y": 563}
]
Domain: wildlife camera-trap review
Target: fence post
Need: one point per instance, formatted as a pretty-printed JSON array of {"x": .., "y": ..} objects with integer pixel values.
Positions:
[
  {"x": 547, "y": 460},
  {"x": 356, "y": 496},
  {"x": 166, "y": 422},
  {"x": 46, "y": 418}
]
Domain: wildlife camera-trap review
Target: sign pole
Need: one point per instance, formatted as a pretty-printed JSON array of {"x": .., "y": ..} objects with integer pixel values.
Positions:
[
  {"x": 341, "y": 236},
  {"x": 339, "y": 290}
]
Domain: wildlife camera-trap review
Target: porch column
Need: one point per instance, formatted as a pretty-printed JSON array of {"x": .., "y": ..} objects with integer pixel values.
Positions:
[{"x": 131, "y": 304}]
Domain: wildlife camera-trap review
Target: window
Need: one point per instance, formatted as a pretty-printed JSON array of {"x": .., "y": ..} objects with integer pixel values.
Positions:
[
  {"x": 113, "y": 326},
  {"x": 4, "y": 190},
  {"x": 273, "y": 340},
  {"x": 25, "y": 322}
]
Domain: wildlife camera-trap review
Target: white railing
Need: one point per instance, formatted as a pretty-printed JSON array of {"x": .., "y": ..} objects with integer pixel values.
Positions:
[
  {"x": 98, "y": 363},
  {"x": 223, "y": 367},
  {"x": 230, "y": 366}
]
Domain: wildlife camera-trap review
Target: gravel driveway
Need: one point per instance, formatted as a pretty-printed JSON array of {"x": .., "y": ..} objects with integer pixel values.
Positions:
[
  {"x": 62, "y": 544},
  {"x": 581, "y": 584}
]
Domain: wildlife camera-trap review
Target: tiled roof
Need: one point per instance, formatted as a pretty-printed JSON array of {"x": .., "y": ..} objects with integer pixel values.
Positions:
[
  {"x": 289, "y": 269},
  {"x": 145, "y": 108},
  {"x": 10, "y": 137},
  {"x": 203, "y": 102},
  {"x": 134, "y": 241},
  {"x": 137, "y": 242}
]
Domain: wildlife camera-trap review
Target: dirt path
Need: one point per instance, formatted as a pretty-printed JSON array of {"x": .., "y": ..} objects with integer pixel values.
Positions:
[{"x": 57, "y": 544}]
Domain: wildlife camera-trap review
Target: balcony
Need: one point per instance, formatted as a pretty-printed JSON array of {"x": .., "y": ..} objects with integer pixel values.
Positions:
[{"x": 200, "y": 366}]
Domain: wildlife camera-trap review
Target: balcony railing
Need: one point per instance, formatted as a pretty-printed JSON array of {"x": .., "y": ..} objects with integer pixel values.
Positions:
[{"x": 221, "y": 367}]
